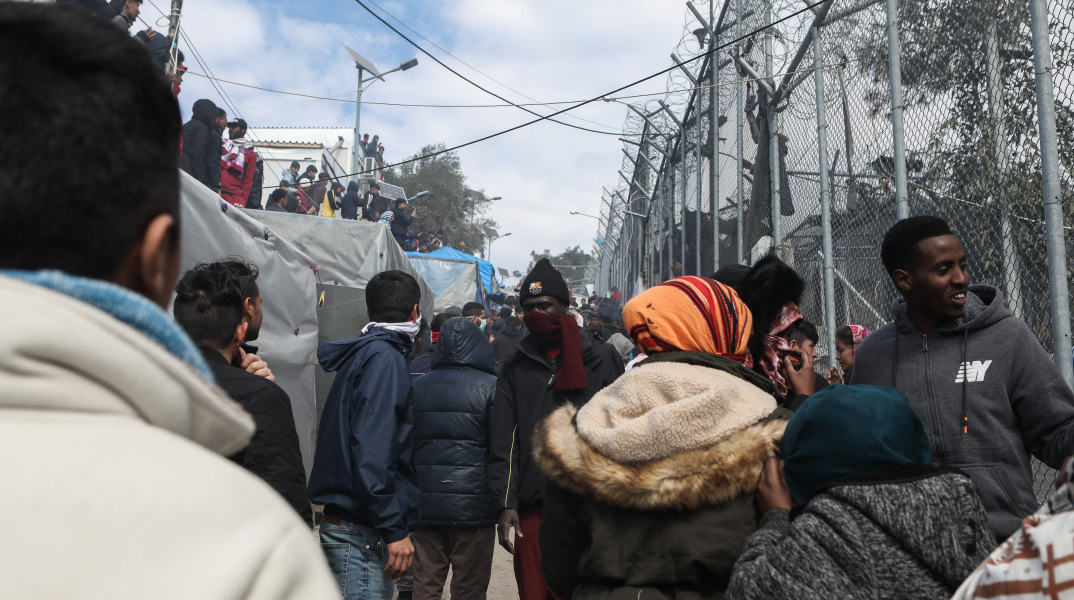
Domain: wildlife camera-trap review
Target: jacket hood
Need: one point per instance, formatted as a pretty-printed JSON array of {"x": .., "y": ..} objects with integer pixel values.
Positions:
[
  {"x": 205, "y": 111},
  {"x": 461, "y": 344},
  {"x": 61, "y": 355},
  {"x": 353, "y": 187},
  {"x": 663, "y": 436},
  {"x": 949, "y": 528},
  {"x": 333, "y": 356},
  {"x": 984, "y": 307}
]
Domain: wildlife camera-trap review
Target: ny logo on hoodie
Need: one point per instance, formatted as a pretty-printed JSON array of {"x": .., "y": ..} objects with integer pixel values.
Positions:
[{"x": 972, "y": 371}]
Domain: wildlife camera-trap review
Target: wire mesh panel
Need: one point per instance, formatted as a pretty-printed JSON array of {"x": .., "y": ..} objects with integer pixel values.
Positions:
[{"x": 726, "y": 164}]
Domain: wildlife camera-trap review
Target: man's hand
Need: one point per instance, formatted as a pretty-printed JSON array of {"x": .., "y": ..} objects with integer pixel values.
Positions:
[
  {"x": 400, "y": 558},
  {"x": 251, "y": 363},
  {"x": 801, "y": 380},
  {"x": 772, "y": 490},
  {"x": 833, "y": 376},
  {"x": 508, "y": 519},
  {"x": 149, "y": 33}
]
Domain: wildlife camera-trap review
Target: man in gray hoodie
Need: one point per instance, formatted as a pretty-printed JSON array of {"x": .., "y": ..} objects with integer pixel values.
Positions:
[{"x": 985, "y": 389}]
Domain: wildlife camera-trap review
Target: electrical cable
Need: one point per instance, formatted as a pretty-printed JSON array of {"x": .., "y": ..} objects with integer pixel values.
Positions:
[
  {"x": 808, "y": 7},
  {"x": 485, "y": 75},
  {"x": 472, "y": 82}
]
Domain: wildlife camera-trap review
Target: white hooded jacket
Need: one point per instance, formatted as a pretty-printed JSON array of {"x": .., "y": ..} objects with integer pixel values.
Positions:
[{"x": 113, "y": 483}]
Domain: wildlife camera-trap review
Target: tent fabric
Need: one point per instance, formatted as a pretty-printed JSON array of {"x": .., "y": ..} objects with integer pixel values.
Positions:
[
  {"x": 488, "y": 279},
  {"x": 455, "y": 282},
  {"x": 213, "y": 230}
]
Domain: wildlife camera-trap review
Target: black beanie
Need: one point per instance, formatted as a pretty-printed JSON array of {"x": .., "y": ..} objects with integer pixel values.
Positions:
[{"x": 544, "y": 280}]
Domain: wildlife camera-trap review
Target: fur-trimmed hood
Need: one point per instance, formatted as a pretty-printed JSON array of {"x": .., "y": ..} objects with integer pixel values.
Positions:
[{"x": 724, "y": 467}]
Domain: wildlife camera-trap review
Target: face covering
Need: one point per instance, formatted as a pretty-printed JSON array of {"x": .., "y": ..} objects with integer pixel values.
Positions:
[
  {"x": 545, "y": 329},
  {"x": 410, "y": 328},
  {"x": 483, "y": 323}
]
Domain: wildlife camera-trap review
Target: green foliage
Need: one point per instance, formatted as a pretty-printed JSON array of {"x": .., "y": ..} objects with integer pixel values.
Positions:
[
  {"x": 572, "y": 263},
  {"x": 451, "y": 205}
]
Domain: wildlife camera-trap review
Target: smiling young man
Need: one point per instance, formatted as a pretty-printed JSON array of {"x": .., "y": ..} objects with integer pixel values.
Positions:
[
  {"x": 987, "y": 392},
  {"x": 557, "y": 363}
]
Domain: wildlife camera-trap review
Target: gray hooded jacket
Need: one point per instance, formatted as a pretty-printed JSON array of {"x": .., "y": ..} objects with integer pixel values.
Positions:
[
  {"x": 987, "y": 393},
  {"x": 906, "y": 531}
]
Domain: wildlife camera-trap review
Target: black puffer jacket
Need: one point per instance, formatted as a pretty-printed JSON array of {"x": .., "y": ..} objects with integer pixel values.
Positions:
[
  {"x": 525, "y": 395},
  {"x": 452, "y": 408},
  {"x": 202, "y": 145}
]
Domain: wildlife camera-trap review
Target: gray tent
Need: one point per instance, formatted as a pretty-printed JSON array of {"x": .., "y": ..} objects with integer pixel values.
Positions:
[
  {"x": 212, "y": 230},
  {"x": 348, "y": 254},
  {"x": 455, "y": 282}
]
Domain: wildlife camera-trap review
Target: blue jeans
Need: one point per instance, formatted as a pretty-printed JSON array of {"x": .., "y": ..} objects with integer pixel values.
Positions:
[{"x": 357, "y": 556}]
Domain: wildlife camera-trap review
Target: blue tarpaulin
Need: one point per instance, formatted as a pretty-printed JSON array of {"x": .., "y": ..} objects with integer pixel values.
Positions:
[{"x": 487, "y": 270}]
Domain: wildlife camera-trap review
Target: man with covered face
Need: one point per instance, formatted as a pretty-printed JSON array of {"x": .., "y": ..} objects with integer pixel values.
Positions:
[{"x": 558, "y": 363}]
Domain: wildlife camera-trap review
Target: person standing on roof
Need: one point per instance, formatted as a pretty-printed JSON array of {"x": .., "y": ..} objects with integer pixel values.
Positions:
[
  {"x": 557, "y": 364},
  {"x": 202, "y": 145},
  {"x": 374, "y": 204},
  {"x": 238, "y": 164},
  {"x": 987, "y": 392},
  {"x": 351, "y": 202},
  {"x": 402, "y": 221},
  {"x": 332, "y": 199},
  {"x": 290, "y": 174}
]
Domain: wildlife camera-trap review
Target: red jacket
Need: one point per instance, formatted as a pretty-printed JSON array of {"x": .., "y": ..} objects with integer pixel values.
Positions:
[{"x": 235, "y": 184}]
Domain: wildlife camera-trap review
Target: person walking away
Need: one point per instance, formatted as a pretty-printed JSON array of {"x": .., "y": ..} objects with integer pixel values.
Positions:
[
  {"x": 847, "y": 339},
  {"x": 363, "y": 469},
  {"x": 352, "y": 201},
  {"x": 452, "y": 406},
  {"x": 650, "y": 485},
  {"x": 237, "y": 165},
  {"x": 987, "y": 392},
  {"x": 332, "y": 200},
  {"x": 120, "y": 434},
  {"x": 202, "y": 145},
  {"x": 557, "y": 364},
  {"x": 209, "y": 306},
  {"x": 402, "y": 221},
  {"x": 423, "y": 364},
  {"x": 873, "y": 518}
]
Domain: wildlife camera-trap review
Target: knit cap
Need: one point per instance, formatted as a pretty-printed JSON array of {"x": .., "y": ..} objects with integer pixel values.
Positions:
[{"x": 544, "y": 280}]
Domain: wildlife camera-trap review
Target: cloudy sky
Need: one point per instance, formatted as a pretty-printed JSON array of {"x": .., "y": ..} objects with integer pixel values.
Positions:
[{"x": 550, "y": 51}]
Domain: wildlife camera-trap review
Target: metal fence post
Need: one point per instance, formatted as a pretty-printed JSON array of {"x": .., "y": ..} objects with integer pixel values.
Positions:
[
  {"x": 1012, "y": 262},
  {"x": 714, "y": 164},
  {"x": 740, "y": 250},
  {"x": 773, "y": 141},
  {"x": 697, "y": 165},
  {"x": 902, "y": 198},
  {"x": 1058, "y": 293},
  {"x": 825, "y": 201},
  {"x": 669, "y": 206}
]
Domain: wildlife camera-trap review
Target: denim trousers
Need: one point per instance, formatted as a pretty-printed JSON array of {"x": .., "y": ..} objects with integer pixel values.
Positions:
[{"x": 357, "y": 555}]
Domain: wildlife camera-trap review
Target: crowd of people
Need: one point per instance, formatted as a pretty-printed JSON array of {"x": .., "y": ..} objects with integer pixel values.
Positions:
[{"x": 679, "y": 443}]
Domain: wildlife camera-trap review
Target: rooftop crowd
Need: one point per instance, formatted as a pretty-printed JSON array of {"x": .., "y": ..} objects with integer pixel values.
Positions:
[{"x": 676, "y": 444}]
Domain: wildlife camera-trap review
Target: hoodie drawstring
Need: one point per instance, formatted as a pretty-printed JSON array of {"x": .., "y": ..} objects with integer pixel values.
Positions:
[{"x": 965, "y": 379}]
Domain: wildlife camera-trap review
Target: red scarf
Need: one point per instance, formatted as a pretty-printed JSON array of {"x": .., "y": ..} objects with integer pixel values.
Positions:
[{"x": 546, "y": 331}]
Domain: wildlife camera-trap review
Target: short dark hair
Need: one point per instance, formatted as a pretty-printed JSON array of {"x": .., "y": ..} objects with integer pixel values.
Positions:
[
  {"x": 391, "y": 295},
  {"x": 79, "y": 85},
  {"x": 513, "y": 323},
  {"x": 337, "y": 185},
  {"x": 440, "y": 319},
  {"x": 399, "y": 202},
  {"x": 294, "y": 164},
  {"x": 275, "y": 197},
  {"x": 208, "y": 304},
  {"x": 804, "y": 330},
  {"x": 220, "y": 113},
  {"x": 473, "y": 309},
  {"x": 374, "y": 185},
  {"x": 506, "y": 312},
  {"x": 285, "y": 183},
  {"x": 311, "y": 168},
  {"x": 900, "y": 248},
  {"x": 247, "y": 274}
]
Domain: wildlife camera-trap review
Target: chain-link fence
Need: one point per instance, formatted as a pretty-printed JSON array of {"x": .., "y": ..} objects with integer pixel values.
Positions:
[{"x": 801, "y": 129}]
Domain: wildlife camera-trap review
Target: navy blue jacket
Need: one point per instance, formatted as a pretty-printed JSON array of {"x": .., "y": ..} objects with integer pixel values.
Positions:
[
  {"x": 364, "y": 464},
  {"x": 452, "y": 410}
]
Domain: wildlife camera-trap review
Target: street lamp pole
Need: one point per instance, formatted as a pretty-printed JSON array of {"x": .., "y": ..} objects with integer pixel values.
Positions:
[
  {"x": 493, "y": 240},
  {"x": 363, "y": 64}
]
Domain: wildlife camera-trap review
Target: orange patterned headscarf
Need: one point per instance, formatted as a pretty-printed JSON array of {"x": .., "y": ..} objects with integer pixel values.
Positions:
[{"x": 691, "y": 314}]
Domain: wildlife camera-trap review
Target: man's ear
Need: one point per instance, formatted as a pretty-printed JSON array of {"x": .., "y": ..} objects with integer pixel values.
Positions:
[
  {"x": 240, "y": 333},
  {"x": 248, "y": 309},
  {"x": 414, "y": 313},
  {"x": 151, "y": 266},
  {"x": 903, "y": 280},
  {"x": 794, "y": 344}
]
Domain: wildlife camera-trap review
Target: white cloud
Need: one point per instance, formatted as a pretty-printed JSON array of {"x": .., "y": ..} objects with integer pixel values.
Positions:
[{"x": 553, "y": 50}]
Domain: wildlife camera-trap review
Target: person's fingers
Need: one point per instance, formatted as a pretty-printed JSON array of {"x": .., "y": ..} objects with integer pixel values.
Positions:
[{"x": 242, "y": 354}]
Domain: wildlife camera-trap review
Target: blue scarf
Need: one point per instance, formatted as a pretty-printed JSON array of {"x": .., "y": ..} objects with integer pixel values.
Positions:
[{"x": 124, "y": 305}]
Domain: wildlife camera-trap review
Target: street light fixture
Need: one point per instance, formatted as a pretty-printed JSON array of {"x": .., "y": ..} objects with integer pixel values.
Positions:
[
  {"x": 419, "y": 195},
  {"x": 493, "y": 240},
  {"x": 574, "y": 212},
  {"x": 364, "y": 65}
]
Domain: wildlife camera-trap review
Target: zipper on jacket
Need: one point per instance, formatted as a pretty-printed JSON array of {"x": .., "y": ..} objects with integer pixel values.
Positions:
[{"x": 924, "y": 342}]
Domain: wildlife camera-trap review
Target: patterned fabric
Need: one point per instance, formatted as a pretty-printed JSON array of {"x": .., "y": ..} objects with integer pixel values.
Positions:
[
  {"x": 858, "y": 333},
  {"x": 776, "y": 346},
  {"x": 691, "y": 314},
  {"x": 1038, "y": 560},
  {"x": 234, "y": 154}
]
